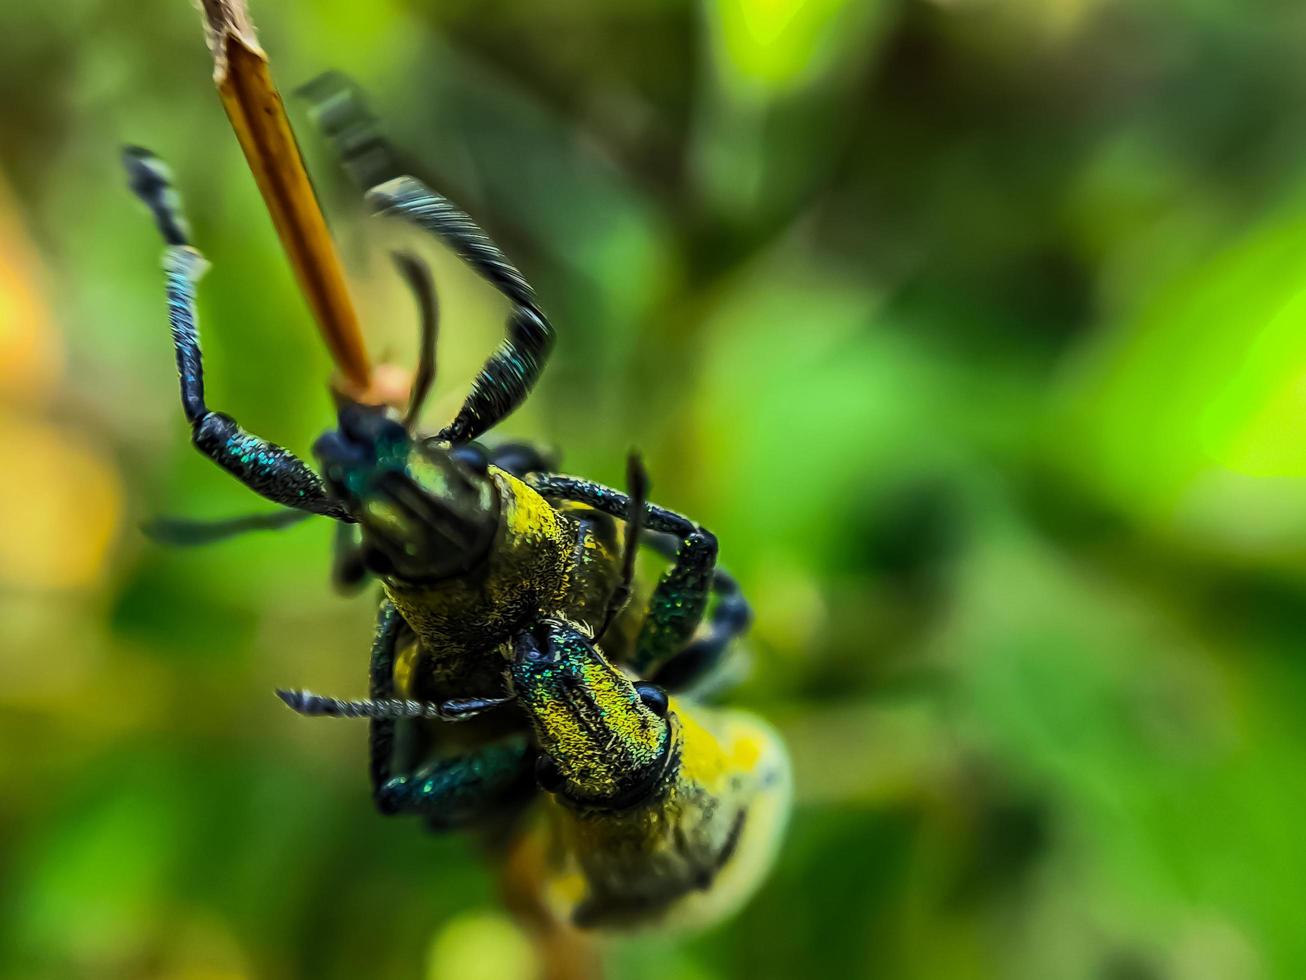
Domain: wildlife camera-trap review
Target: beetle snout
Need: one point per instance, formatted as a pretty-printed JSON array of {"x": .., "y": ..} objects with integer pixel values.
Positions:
[
  {"x": 603, "y": 741},
  {"x": 423, "y": 514},
  {"x": 536, "y": 645},
  {"x": 364, "y": 436},
  {"x": 370, "y": 426}
]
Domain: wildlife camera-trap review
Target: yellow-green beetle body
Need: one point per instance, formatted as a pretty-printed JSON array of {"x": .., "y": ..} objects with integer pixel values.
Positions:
[
  {"x": 663, "y": 812},
  {"x": 657, "y": 811},
  {"x": 542, "y": 561}
]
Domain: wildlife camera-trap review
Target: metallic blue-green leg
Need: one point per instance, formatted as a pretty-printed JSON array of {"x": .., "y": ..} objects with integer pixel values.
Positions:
[
  {"x": 510, "y": 373},
  {"x": 447, "y": 792},
  {"x": 677, "y": 604},
  {"x": 520, "y": 458},
  {"x": 381, "y": 685},
  {"x": 382, "y": 707},
  {"x": 266, "y": 468},
  {"x": 349, "y": 572},
  {"x": 417, "y": 275},
  {"x": 517, "y": 458},
  {"x": 680, "y": 599},
  {"x": 554, "y": 486},
  {"x": 457, "y": 791},
  {"x": 508, "y": 376},
  {"x": 188, "y": 532},
  {"x": 636, "y": 506},
  {"x": 730, "y": 618},
  {"x": 337, "y": 108}
]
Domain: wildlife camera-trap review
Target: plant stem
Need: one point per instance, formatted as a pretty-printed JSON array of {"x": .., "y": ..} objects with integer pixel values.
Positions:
[{"x": 258, "y": 116}]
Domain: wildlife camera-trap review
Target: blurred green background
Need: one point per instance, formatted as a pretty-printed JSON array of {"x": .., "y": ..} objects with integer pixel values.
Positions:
[{"x": 975, "y": 328}]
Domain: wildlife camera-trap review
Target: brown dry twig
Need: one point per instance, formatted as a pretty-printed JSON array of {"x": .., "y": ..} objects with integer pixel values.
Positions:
[{"x": 258, "y": 116}]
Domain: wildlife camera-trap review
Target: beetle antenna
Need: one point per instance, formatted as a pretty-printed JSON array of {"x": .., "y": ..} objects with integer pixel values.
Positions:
[
  {"x": 417, "y": 274},
  {"x": 390, "y": 709},
  {"x": 187, "y": 532},
  {"x": 151, "y": 181},
  {"x": 341, "y": 114},
  {"x": 637, "y": 486}
]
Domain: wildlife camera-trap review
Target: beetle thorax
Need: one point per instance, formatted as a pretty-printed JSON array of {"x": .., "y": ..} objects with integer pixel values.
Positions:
[{"x": 465, "y": 618}]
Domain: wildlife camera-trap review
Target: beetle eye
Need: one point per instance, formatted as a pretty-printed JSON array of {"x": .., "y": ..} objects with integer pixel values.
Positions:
[
  {"x": 547, "y": 774},
  {"x": 654, "y": 698},
  {"x": 377, "y": 561},
  {"x": 472, "y": 456},
  {"x": 535, "y": 645}
]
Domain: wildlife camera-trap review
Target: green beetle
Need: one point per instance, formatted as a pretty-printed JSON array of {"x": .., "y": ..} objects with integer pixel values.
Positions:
[
  {"x": 663, "y": 812},
  {"x": 471, "y": 546}
]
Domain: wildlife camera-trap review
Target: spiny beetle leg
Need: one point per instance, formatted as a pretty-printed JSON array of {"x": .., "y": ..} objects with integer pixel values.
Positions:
[
  {"x": 189, "y": 532},
  {"x": 264, "y": 467},
  {"x": 381, "y": 731},
  {"x": 457, "y": 790},
  {"x": 636, "y": 504},
  {"x": 677, "y": 604},
  {"x": 730, "y": 618},
  {"x": 512, "y": 370},
  {"x": 450, "y": 792},
  {"x": 517, "y": 458},
  {"x": 348, "y": 569},
  {"x": 554, "y": 486},
  {"x": 508, "y": 376},
  {"x": 337, "y": 108},
  {"x": 520, "y": 458}
]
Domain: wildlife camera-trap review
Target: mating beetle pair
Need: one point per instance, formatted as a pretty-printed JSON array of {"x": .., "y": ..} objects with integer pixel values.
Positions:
[{"x": 485, "y": 678}]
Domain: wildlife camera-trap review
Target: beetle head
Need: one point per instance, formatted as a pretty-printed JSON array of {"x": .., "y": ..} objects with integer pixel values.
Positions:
[
  {"x": 605, "y": 741},
  {"x": 426, "y": 512}
]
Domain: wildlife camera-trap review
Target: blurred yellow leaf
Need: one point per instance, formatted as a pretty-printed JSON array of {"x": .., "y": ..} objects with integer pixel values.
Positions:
[
  {"x": 70, "y": 500},
  {"x": 31, "y": 354},
  {"x": 481, "y": 946}
]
